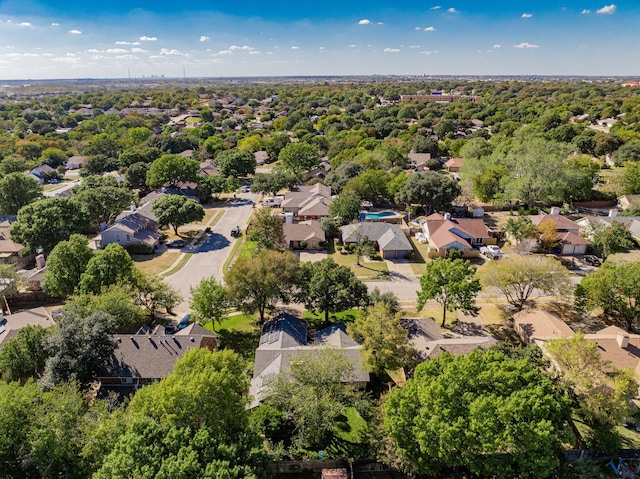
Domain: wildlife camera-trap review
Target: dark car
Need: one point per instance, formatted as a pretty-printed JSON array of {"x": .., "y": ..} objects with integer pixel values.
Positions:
[
  {"x": 175, "y": 244},
  {"x": 184, "y": 322},
  {"x": 592, "y": 260}
]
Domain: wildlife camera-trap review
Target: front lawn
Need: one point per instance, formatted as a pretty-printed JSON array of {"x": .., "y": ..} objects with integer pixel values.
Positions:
[
  {"x": 420, "y": 256},
  {"x": 316, "y": 319},
  {"x": 366, "y": 268},
  {"x": 155, "y": 263}
]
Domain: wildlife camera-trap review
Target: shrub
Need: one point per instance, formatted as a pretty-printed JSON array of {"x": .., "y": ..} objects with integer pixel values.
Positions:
[
  {"x": 303, "y": 244},
  {"x": 140, "y": 248},
  {"x": 352, "y": 247}
]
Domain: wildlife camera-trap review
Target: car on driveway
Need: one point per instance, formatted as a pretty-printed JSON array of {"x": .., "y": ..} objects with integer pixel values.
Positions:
[
  {"x": 491, "y": 251},
  {"x": 592, "y": 260},
  {"x": 175, "y": 244},
  {"x": 245, "y": 189}
]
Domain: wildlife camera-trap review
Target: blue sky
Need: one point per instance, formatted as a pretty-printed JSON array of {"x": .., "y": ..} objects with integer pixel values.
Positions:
[{"x": 110, "y": 39}]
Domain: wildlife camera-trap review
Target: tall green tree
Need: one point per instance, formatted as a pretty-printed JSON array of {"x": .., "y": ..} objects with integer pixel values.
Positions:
[
  {"x": 431, "y": 190},
  {"x": 153, "y": 294},
  {"x": 78, "y": 348},
  {"x": 480, "y": 413},
  {"x": 328, "y": 287},
  {"x": 23, "y": 356},
  {"x": 385, "y": 342},
  {"x": 236, "y": 163},
  {"x": 65, "y": 265},
  {"x": 44, "y": 223},
  {"x": 518, "y": 277},
  {"x": 107, "y": 267},
  {"x": 272, "y": 183},
  {"x": 611, "y": 239},
  {"x": 346, "y": 207},
  {"x": 298, "y": 157},
  {"x": 176, "y": 211},
  {"x": 615, "y": 289},
  {"x": 267, "y": 231},
  {"x": 452, "y": 284},
  {"x": 209, "y": 301},
  {"x": 16, "y": 191},
  {"x": 172, "y": 170},
  {"x": 103, "y": 204},
  {"x": 257, "y": 284}
]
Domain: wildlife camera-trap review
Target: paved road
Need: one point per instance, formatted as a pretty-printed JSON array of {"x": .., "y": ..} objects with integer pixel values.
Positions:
[{"x": 210, "y": 255}]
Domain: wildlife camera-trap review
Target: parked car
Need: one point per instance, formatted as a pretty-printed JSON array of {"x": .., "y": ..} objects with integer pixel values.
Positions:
[
  {"x": 491, "y": 251},
  {"x": 175, "y": 244},
  {"x": 236, "y": 231},
  {"x": 184, "y": 322},
  {"x": 245, "y": 189},
  {"x": 592, "y": 260}
]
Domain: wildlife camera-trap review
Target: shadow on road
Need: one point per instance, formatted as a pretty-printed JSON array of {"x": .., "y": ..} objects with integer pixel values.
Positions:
[
  {"x": 240, "y": 202},
  {"x": 214, "y": 242}
]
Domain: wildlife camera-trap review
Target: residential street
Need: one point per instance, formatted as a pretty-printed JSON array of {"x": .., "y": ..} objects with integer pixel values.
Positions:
[{"x": 210, "y": 255}]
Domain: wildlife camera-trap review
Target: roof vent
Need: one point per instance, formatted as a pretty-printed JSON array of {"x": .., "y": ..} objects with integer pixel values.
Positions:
[
  {"x": 192, "y": 340},
  {"x": 623, "y": 340}
]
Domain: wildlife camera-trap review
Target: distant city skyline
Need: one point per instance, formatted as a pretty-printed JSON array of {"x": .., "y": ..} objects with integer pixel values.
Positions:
[{"x": 47, "y": 39}]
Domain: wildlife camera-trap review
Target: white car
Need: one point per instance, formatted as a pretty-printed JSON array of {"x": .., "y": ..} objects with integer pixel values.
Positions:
[{"x": 494, "y": 250}]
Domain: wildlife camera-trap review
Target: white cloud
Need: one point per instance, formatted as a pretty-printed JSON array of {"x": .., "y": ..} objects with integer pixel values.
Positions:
[
  {"x": 145, "y": 38},
  {"x": 426, "y": 52},
  {"x": 435, "y": 7},
  {"x": 452, "y": 10},
  {"x": 25, "y": 24},
  {"x": 414, "y": 46},
  {"x": 93, "y": 50},
  {"x": 127, "y": 43},
  {"x": 526, "y": 45},
  {"x": 497, "y": 45},
  {"x": 224, "y": 52},
  {"x": 417, "y": 28},
  {"x": 138, "y": 50},
  {"x": 75, "y": 32},
  {"x": 430, "y": 29},
  {"x": 607, "y": 10},
  {"x": 391, "y": 50},
  {"x": 295, "y": 47},
  {"x": 526, "y": 15},
  {"x": 254, "y": 52},
  {"x": 204, "y": 38},
  {"x": 98, "y": 57},
  {"x": 166, "y": 51},
  {"x": 380, "y": 23},
  {"x": 586, "y": 11},
  {"x": 54, "y": 24},
  {"x": 364, "y": 21},
  {"x": 116, "y": 50},
  {"x": 126, "y": 57},
  {"x": 352, "y": 46}
]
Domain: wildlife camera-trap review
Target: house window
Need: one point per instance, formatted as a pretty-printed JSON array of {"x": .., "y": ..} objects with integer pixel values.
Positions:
[
  {"x": 117, "y": 238},
  {"x": 128, "y": 239},
  {"x": 126, "y": 380},
  {"x": 479, "y": 241}
]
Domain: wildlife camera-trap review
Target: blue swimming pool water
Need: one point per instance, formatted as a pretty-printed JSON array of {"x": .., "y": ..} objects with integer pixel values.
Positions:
[{"x": 381, "y": 214}]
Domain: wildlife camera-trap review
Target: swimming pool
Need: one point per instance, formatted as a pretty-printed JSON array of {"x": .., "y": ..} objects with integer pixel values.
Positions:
[{"x": 379, "y": 215}]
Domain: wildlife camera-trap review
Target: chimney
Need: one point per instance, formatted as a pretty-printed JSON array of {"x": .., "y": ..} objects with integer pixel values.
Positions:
[
  {"x": 623, "y": 340},
  {"x": 555, "y": 210},
  {"x": 40, "y": 261},
  {"x": 447, "y": 216},
  {"x": 133, "y": 207},
  {"x": 613, "y": 213}
]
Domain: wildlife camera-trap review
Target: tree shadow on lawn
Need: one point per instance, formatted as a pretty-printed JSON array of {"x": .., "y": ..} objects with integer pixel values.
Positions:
[{"x": 243, "y": 343}]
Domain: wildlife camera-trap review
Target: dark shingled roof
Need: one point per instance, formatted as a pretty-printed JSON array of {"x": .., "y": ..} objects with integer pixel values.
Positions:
[{"x": 151, "y": 356}]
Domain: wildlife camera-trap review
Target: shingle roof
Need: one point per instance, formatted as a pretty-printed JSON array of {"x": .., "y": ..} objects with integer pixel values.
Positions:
[
  {"x": 151, "y": 356},
  {"x": 534, "y": 324},
  {"x": 303, "y": 231},
  {"x": 562, "y": 222},
  {"x": 388, "y": 236},
  {"x": 30, "y": 317},
  {"x": 442, "y": 232}
]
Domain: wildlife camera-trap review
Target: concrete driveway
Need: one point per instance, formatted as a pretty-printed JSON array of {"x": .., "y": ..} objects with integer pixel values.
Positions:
[{"x": 208, "y": 258}]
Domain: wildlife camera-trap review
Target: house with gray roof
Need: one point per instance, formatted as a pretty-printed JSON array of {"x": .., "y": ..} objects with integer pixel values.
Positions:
[
  {"x": 308, "y": 232},
  {"x": 10, "y": 324},
  {"x": 388, "y": 238},
  {"x": 141, "y": 359},
  {"x": 285, "y": 337},
  {"x": 309, "y": 203}
]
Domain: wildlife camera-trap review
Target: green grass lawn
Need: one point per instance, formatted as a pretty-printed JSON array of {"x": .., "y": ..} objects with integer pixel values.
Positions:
[
  {"x": 154, "y": 263},
  {"x": 315, "y": 320},
  {"x": 238, "y": 333},
  {"x": 419, "y": 258},
  {"x": 367, "y": 268},
  {"x": 349, "y": 435}
]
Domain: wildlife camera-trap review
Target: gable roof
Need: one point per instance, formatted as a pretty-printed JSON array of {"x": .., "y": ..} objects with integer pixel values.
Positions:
[
  {"x": 443, "y": 232},
  {"x": 456, "y": 346},
  {"x": 454, "y": 162},
  {"x": 562, "y": 222},
  {"x": 151, "y": 355},
  {"x": 12, "y": 323},
  {"x": 7, "y": 246},
  {"x": 388, "y": 236}
]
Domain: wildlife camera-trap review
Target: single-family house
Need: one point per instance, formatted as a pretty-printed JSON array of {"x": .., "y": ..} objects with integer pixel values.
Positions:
[
  {"x": 140, "y": 359},
  {"x": 10, "y": 324},
  {"x": 76, "y": 162},
  {"x": 427, "y": 339},
  {"x": 285, "y": 338},
  {"x": 569, "y": 240},
  {"x": 588, "y": 223},
  {"x": 453, "y": 165},
  {"x": 387, "y": 238},
  {"x": 42, "y": 173},
  {"x": 207, "y": 168},
  {"x": 418, "y": 161},
  {"x": 139, "y": 226},
  {"x": 261, "y": 157},
  {"x": 9, "y": 249},
  {"x": 308, "y": 233},
  {"x": 309, "y": 203},
  {"x": 539, "y": 325},
  {"x": 445, "y": 233}
]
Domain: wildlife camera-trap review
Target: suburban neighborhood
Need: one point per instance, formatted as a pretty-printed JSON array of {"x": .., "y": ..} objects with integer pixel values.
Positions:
[{"x": 336, "y": 278}]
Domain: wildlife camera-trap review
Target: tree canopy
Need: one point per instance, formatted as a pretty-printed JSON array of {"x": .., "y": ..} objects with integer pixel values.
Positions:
[
  {"x": 431, "y": 190},
  {"x": 65, "y": 265},
  {"x": 172, "y": 169},
  {"x": 16, "y": 191},
  {"x": 176, "y": 211}
]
